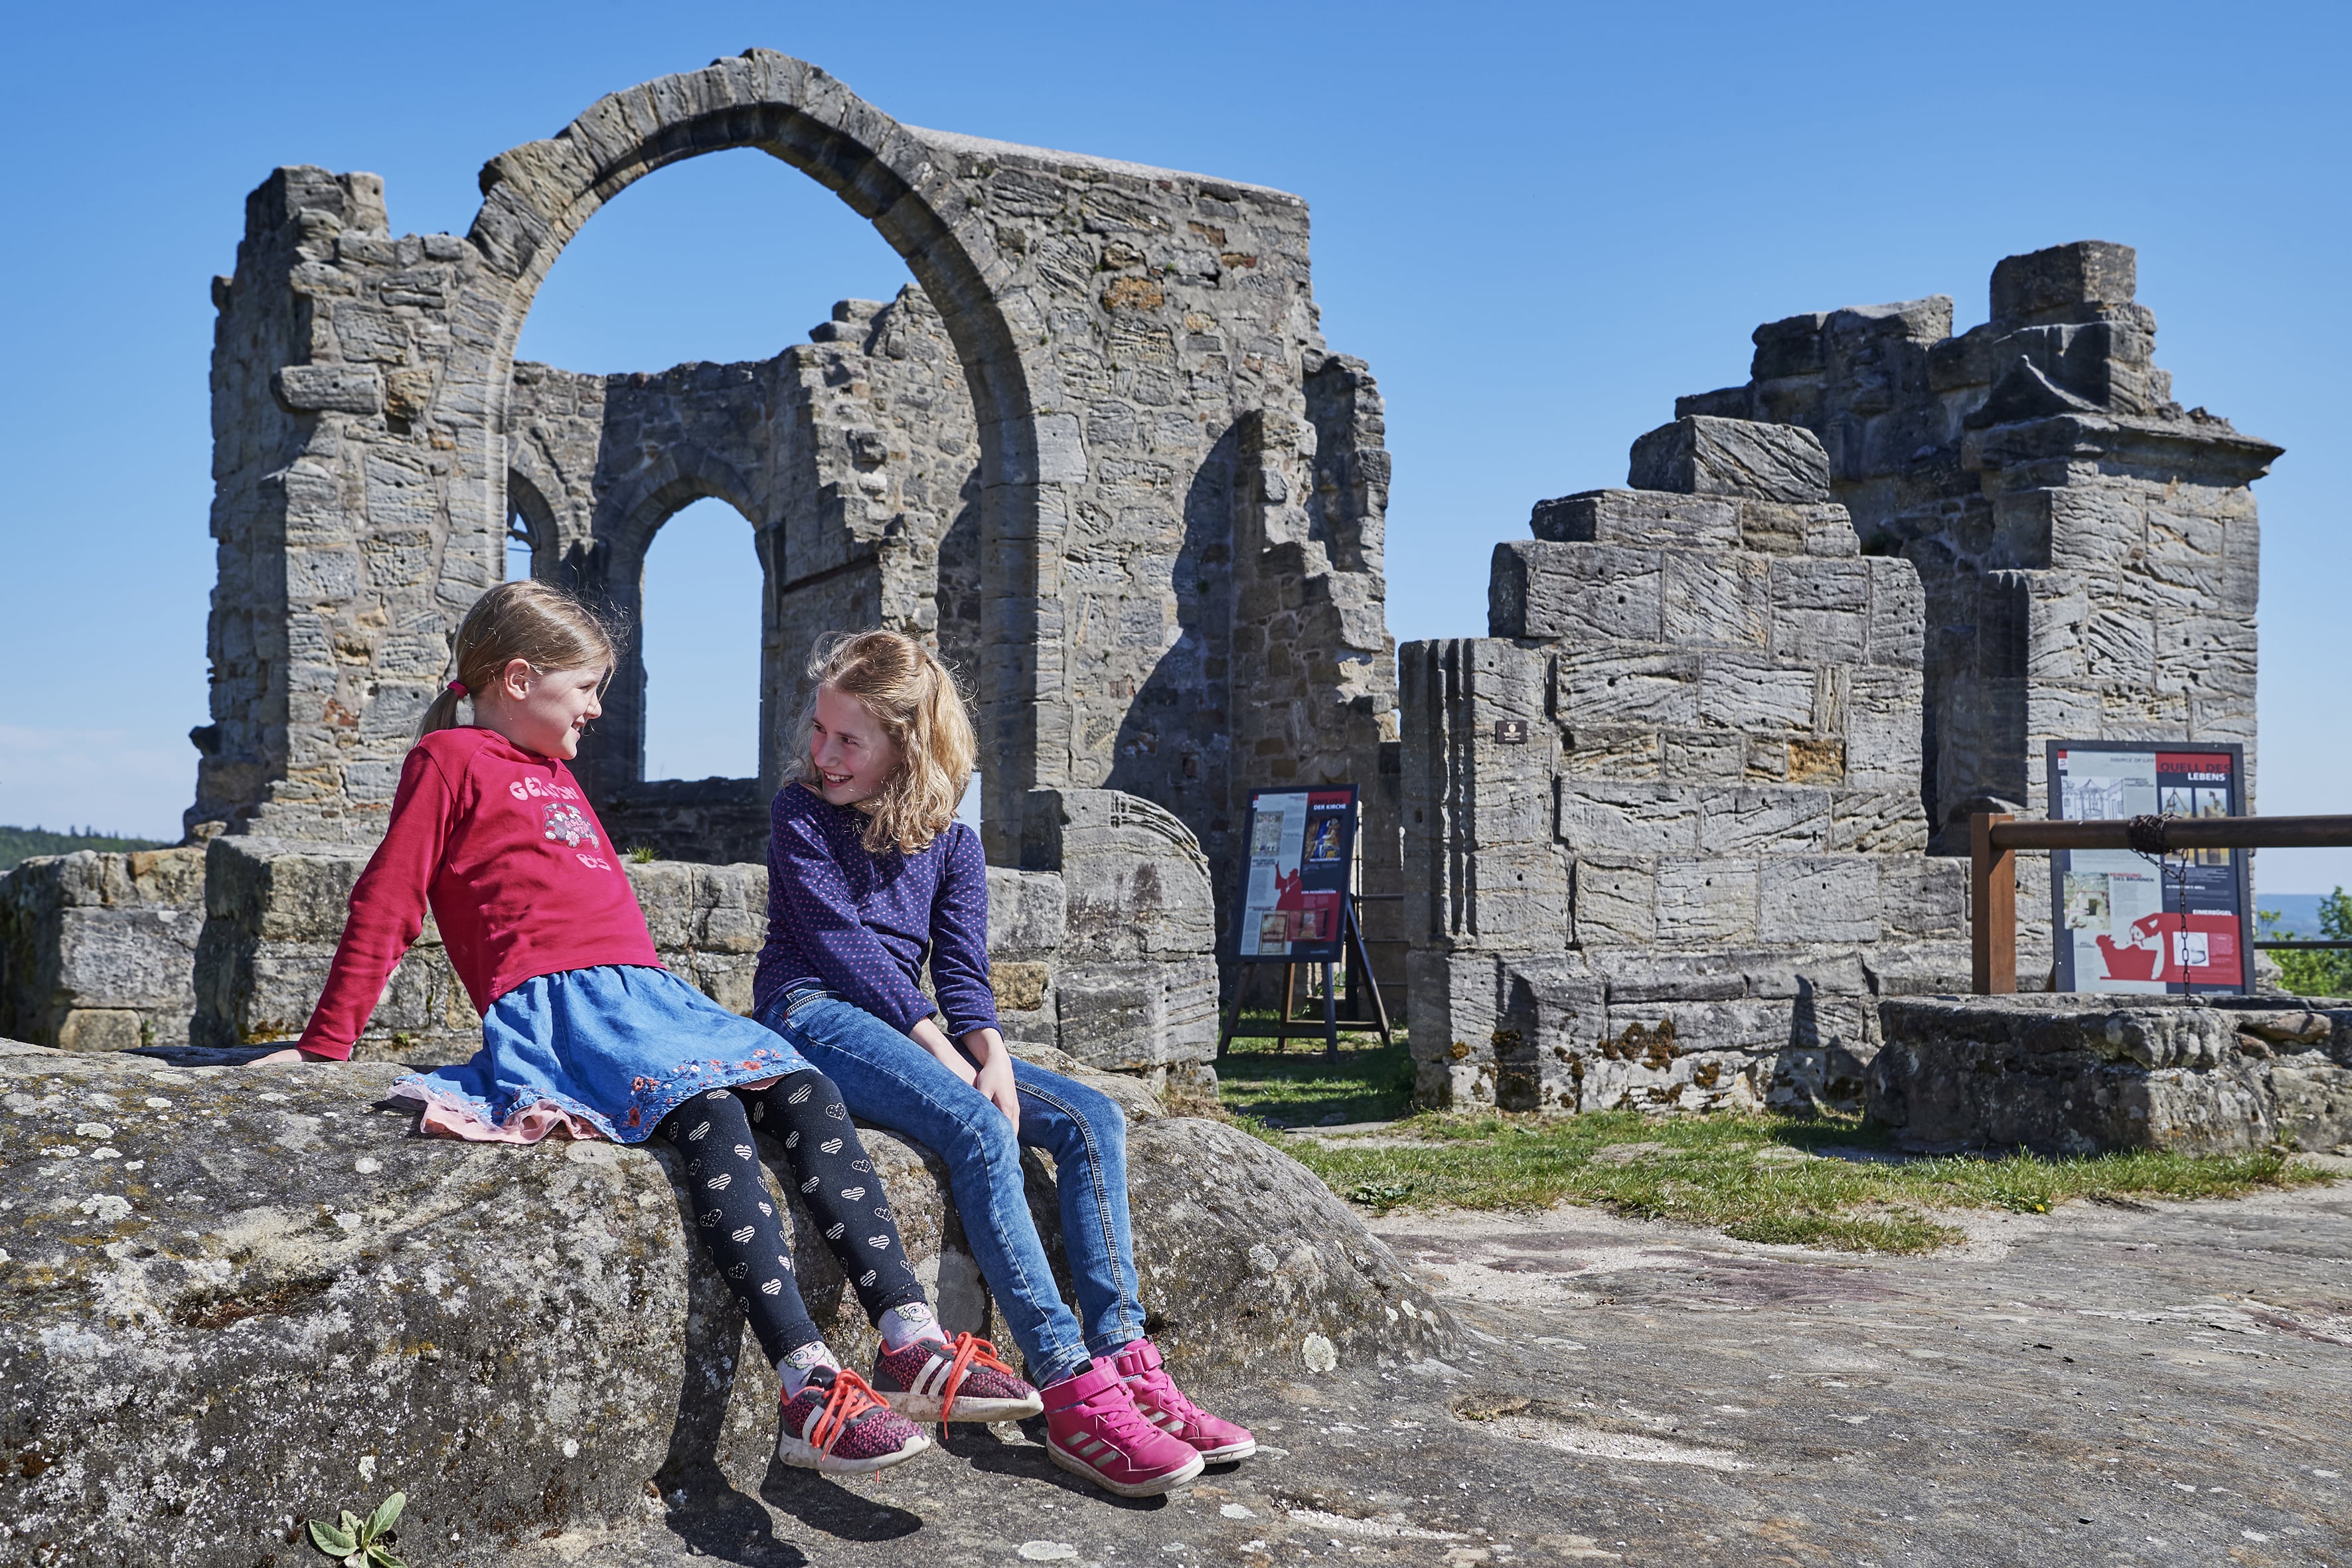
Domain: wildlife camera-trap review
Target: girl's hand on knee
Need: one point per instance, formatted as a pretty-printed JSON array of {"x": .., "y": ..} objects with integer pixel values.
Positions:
[
  {"x": 995, "y": 1080},
  {"x": 934, "y": 1040}
]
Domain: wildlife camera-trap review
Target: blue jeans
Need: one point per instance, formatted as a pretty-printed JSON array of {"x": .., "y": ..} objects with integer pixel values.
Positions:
[{"x": 888, "y": 1080}]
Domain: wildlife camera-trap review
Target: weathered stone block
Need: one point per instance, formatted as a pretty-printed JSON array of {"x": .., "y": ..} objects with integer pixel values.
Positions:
[
  {"x": 2073, "y": 1075},
  {"x": 1763, "y": 819},
  {"x": 1616, "y": 900},
  {"x": 1783, "y": 528},
  {"x": 1903, "y": 967},
  {"x": 1716, "y": 599},
  {"x": 1877, "y": 821},
  {"x": 1703, "y": 756},
  {"x": 1753, "y": 696},
  {"x": 1627, "y": 685},
  {"x": 1643, "y": 974},
  {"x": 1898, "y": 613},
  {"x": 1706, "y": 900},
  {"x": 103, "y": 1029},
  {"x": 1027, "y": 913},
  {"x": 96, "y": 949},
  {"x": 1573, "y": 591},
  {"x": 1546, "y": 1008},
  {"x": 692, "y": 908},
  {"x": 1138, "y": 1015},
  {"x": 1136, "y": 882},
  {"x": 1599, "y": 750},
  {"x": 1629, "y": 818},
  {"x": 2056, "y": 284},
  {"x": 1881, "y": 728},
  {"x": 330, "y": 388},
  {"x": 1449, "y": 1024},
  {"x": 1821, "y": 611},
  {"x": 1741, "y": 459},
  {"x": 1819, "y": 898},
  {"x": 1646, "y": 517}
]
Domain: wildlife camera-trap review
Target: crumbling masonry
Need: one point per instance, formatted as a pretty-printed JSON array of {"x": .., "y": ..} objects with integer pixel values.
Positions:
[
  {"x": 1665, "y": 825},
  {"x": 1665, "y": 834},
  {"x": 1100, "y": 453}
]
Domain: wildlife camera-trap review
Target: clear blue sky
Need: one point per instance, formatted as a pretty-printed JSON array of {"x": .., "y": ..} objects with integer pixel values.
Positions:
[{"x": 1539, "y": 224}]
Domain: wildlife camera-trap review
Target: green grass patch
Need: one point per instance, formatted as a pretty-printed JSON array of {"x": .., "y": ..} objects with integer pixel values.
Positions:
[
  {"x": 1298, "y": 1088},
  {"x": 1743, "y": 1175}
]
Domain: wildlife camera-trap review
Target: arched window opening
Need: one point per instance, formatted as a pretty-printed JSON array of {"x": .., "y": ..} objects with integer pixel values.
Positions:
[
  {"x": 732, "y": 256},
  {"x": 522, "y": 547},
  {"x": 699, "y": 639}
]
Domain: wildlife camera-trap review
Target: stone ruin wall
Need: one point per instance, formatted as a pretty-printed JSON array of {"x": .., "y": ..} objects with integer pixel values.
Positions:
[
  {"x": 1110, "y": 959},
  {"x": 1842, "y": 607},
  {"x": 1662, "y": 824},
  {"x": 1101, "y": 452},
  {"x": 1143, "y": 377},
  {"x": 1164, "y": 565},
  {"x": 854, "y": 461},
  {"x": 855, "y": 455},
  {"x": 2089, "y": 550}
]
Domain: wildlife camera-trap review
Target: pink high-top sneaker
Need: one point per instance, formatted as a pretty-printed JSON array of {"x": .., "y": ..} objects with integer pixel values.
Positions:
[
  {"x": 1164, "y": 1406},
  {"x": 1094, "y": 1429}
]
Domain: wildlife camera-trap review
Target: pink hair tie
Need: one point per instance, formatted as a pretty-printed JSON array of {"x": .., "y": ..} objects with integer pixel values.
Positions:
[{"x": 459, "y": 688}]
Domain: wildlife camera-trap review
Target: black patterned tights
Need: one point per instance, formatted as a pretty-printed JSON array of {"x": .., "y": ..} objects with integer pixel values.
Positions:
[{"x": 747, "y": 1235}]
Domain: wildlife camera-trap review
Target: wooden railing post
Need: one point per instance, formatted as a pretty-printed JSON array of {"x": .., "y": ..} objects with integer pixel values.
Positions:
[{"x": 1992, "y": 908}]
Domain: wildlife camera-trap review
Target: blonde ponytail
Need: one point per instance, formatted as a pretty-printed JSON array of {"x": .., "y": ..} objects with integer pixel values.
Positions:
[
  {"x": 915, "y": 699},
  {"x": 535, "y": 622}
]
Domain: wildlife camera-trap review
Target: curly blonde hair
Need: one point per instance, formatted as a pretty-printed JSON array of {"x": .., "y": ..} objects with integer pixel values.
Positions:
[{"x": 915, "y": 699}]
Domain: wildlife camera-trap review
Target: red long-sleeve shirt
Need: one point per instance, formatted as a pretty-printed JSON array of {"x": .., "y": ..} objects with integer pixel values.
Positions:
[{"x": 504, "y": 846}]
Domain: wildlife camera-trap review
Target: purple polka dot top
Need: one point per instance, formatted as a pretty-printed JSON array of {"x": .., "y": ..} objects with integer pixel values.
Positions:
[{"x": 859, "y": 924}]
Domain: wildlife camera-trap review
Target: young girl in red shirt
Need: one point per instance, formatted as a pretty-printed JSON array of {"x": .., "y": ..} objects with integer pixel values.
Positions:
[{"x": 584, "y": 1033}]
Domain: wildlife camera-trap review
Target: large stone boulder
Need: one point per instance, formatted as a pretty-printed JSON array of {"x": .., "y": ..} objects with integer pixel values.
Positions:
[{"x": 239, "y": 1296}]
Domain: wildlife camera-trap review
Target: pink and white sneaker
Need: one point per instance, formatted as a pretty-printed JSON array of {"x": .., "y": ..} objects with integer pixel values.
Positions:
[
  {"x": 834, "y": 1425},
  {"x": 951, "y": 1380},
  {"x": 1164, "y": 1406},
  {"x": 1094, "y": 1429}
]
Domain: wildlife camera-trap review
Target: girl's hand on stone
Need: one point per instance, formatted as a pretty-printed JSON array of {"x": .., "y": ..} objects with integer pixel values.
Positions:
[{"x": 290, "y": 1055}]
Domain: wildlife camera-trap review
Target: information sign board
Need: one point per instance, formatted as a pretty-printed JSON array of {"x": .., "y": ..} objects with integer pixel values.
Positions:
[
  {"x": 2124, "y": 921},
  {"x": 1302, "y": 850}
]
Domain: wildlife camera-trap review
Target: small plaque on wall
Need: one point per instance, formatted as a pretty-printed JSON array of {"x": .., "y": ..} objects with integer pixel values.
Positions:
[{"x": 1511, "y": 732}]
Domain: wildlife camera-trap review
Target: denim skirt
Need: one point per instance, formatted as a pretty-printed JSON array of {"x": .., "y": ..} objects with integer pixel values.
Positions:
[{"x": 595, "y": 1053}]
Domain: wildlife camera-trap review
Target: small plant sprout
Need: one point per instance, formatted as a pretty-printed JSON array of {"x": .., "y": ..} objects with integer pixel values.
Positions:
[
  {"x": 644, "y": 853},
  {"x": 359, "y": 1542}
]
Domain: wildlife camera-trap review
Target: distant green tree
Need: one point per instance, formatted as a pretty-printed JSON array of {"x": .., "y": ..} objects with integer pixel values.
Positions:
[
  {"x": 2325, "y": 972},
  {"x": 17, "y": 843}
]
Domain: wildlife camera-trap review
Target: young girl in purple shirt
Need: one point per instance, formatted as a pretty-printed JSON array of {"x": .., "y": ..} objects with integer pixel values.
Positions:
[{"x": 869, "y": 873}]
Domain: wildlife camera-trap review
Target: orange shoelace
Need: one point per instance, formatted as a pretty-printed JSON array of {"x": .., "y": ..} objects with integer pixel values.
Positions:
[
  {"x": 966, "y": 1348},
  {"x": 852, "y": 1397}
]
